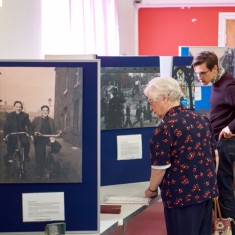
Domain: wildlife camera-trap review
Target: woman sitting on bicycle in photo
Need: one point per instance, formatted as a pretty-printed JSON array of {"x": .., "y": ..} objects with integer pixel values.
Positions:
[
  {"x": 17, "y": 121},
  {"x": 44, "y": 125}
]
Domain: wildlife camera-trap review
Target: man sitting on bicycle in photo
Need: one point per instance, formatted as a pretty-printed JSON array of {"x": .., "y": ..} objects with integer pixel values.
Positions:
[
  {"x": 17, "y": 121},
  {"x": 44, "y": 125}
]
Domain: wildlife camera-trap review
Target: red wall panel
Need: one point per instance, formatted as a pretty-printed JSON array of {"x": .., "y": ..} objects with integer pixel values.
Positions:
[{"x": 162, "y": 30}]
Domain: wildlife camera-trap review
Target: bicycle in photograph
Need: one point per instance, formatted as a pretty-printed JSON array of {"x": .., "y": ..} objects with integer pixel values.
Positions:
[
  {"x": 50, "y": 164},
  {"x": 16, "y": 162}
]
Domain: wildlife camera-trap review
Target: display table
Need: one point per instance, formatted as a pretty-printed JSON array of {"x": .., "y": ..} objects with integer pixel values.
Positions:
[{"x": 128, "y": 210}]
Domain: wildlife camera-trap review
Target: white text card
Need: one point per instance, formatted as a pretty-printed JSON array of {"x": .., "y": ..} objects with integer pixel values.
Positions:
[
  {"x": 129, "y": 147},
  {"x": 43, "y": 207}
]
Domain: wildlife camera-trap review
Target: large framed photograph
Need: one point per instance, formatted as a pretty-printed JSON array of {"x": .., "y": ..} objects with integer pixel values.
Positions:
[
  {"x": 123, "y": 103},
  {"x": 41, "y": 124}
]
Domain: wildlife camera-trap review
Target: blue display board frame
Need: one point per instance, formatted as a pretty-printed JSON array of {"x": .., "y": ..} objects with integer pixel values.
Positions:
[
  {"x": 80, "y": 199},
  {"x": 114, "y": 171}
]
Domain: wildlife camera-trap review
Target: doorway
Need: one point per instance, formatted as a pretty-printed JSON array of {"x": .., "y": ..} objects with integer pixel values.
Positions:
[
  {"x": 226, "y": 33},
  {"x": 230, "y": 33}
]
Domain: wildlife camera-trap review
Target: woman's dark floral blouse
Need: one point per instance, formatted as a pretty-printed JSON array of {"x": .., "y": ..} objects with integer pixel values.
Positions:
[{"x": 184, "y": 140}]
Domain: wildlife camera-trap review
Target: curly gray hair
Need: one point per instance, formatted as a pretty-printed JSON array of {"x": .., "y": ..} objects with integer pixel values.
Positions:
[{"x": 163, "y": 86}]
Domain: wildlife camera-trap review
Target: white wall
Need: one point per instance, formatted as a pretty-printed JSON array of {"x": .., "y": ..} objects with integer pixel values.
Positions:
[
  {"x": 20, "y": 26},
  {"x": 20, "y": 30},
  {"x": 127, "y": 17}
]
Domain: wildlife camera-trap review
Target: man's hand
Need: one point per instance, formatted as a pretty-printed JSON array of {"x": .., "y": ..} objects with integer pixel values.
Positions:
[
  {"x": 226, "y": 133},
  {"x": 52, "y": 140}
]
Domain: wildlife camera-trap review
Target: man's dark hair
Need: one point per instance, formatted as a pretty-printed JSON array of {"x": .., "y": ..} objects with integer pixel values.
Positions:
[
  {"x": 18, "y": 102},
  {"x": 45, "y": 106},
  {"x": 208, "y": 57}
]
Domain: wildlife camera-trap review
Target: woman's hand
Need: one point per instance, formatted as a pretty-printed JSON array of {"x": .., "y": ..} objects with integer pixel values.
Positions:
[{"x": 151, "y": 194}]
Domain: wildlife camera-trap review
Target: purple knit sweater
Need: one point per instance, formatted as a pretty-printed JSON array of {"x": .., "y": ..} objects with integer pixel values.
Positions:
[{"x": 222, "y": 103}]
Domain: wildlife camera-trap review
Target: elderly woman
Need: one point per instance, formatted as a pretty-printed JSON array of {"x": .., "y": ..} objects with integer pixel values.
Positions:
[{"x": 182, "y": 152}]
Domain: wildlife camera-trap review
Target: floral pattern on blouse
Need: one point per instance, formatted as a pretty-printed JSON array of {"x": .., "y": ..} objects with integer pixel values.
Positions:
[{"x": 185, "y": 140}]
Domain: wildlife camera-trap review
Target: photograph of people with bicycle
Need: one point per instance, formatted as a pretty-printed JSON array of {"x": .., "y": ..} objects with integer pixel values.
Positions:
[
  {"x": 17, "y": 132},
  {"x": 45, "y": 134},
  {"x": 40, "y": 125}
]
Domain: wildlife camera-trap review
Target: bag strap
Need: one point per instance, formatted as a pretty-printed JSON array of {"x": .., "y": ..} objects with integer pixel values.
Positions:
[
  {"x": 217, "y": 211},
  {"x": 217, "y": 208}
]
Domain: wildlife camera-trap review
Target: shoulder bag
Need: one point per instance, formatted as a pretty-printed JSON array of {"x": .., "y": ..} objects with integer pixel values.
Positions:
[{"x": 221, "y": 226}]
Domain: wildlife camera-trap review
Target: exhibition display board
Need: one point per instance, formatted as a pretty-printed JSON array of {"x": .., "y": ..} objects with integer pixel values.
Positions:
[
  {"x": 68, "y": 192},
  {"x": 126, "y": 121}
]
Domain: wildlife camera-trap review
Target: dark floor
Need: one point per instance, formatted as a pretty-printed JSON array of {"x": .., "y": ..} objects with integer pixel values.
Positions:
[{"x": 149, "y": 222}]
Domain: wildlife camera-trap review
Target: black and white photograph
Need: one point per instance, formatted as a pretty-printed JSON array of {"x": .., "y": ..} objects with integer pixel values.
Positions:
[
  {"x": 123, "y": 103},
  {"x": 41, "y": 124}
]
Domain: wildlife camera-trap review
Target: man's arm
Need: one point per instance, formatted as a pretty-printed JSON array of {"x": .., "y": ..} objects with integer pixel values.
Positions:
[
  {"x": 6, "y": 125},
  {"x": 54, "y": 129},
  {"x": 228, "y": 131},
  {"x": 28, "y": 125}
]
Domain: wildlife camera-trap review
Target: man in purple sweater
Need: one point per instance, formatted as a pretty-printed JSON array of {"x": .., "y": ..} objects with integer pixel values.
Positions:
[{"x": 222, "y": 117}]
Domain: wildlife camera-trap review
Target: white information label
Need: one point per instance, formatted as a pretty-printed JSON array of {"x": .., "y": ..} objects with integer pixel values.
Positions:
[
  {"x": 43, "y": 207},
  {"x": 129, "y": 147}
]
